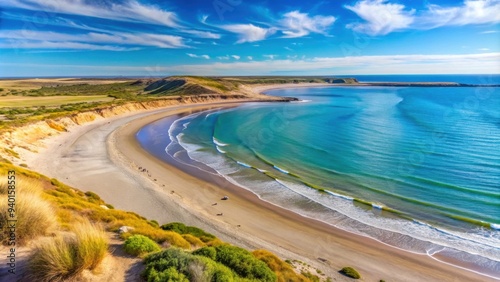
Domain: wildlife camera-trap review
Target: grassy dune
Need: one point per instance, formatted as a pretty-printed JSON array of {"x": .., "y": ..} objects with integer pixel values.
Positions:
[{"x": 66, "y": 243}]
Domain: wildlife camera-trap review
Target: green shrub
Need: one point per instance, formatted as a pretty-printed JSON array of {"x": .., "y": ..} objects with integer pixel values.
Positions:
[
  {"x": 350, "y": 272},
  {"x": 138, "y": 245},
  {"x": 93, "y": 197},
  {"x": 208, "y": 252},
  {"x": 175, "y": 262},
  {"x": 243, "y": 263},
  {"x": 183, "y": 229}
]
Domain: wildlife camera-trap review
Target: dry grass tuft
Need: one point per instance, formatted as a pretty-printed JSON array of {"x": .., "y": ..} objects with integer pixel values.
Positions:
[
  {"x": 35, "y": 217},
  {"x": 63, "y": 257},
  {"x": 92, "y": 244}
]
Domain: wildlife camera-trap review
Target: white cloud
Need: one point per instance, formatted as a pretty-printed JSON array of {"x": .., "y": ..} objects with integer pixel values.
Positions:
[
  {"x": 288, "y": 48},
  {"x": 130, "y": 10},
  {"x": 484, "y": 49},
  {"x": 412, "y": 64},
  {"x": 482, "y": 63},
  {"x": 207, "y": 57},
  {"x": 381, "y": 17},
  {"x": 489, "y": 31},
  {"x": 297, "y": 24},
  {"x": 270, "y": 57},
  {"x": 202, "y": 34},
  {"x": 470, "y": 12},
  {"x": 121, "y": 38},
  {"x": 249, "y": 32},
  {"x": 60, "y": 45},
  {"x": 226, "y": 57},
  {"x": 236, "y": 57},
  {"x": 250, "y": 58}
]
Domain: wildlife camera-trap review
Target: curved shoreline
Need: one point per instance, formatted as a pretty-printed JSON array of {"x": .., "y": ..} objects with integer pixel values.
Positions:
[{"x": 282, "y": 232}]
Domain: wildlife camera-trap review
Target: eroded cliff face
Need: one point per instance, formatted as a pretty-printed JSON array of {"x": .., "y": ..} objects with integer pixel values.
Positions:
[{"x": 32, "y": 137}]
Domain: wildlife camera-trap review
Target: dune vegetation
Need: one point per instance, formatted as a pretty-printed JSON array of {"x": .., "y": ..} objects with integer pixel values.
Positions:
[{"x": 65, "y": 243}]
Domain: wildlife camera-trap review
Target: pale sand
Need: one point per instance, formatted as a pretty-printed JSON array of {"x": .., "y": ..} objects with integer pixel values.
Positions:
[{"x": 100, "y": 158}]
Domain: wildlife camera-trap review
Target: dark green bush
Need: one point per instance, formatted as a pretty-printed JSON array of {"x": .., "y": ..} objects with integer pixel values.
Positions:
[
  {"x": 183, "y": 229},
  {"x": 138, "y": 244},
  {"x": 171, "y": 262},
  {"x": 243, "y": 263},
  {"x": 208, "y": 252},
  {"x": 350, "y": 272}
]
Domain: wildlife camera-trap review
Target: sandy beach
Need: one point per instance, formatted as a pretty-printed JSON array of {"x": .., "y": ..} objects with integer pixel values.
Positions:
[{"x": 104, "y": 156}]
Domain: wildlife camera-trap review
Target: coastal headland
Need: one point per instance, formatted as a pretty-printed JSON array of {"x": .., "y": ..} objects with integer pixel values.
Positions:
[{"x": 97, "y": 150}]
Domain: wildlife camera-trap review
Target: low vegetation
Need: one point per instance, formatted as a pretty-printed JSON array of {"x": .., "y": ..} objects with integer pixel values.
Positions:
[
  {"x": 35, "y": 216},
  {"x": 76, "y": 245},
  {"x": 350, "y": 272},
  {"x": 66, "y": 256},
  {"x": 138, "y": 245},
  {"x": 283, "y": 270},
  {"x": 241, "y": 261}
]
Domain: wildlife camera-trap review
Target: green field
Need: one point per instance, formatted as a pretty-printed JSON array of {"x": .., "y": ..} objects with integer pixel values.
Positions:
[{"x": 50, "y": 101}]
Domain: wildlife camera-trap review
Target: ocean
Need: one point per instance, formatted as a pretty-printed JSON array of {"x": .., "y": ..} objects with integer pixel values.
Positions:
[{"x": 417, "y": 168}]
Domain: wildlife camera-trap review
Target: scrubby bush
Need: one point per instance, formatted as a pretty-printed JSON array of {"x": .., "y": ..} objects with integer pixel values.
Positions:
[
  {"x": 283, "y": 270},
  {"x": 350, "y": 272},
  {"x": 242, "y": 262},
  {"x": 62, "y": 257},
  {"x": 208, "y": 252},
  {"x": 93, "y": 197},
  {"x": 183, "y": 229},
  {"x": 173, "y": 262},
  {"x": 194, "y": 241},
  {"x": 138, "y": 245}
]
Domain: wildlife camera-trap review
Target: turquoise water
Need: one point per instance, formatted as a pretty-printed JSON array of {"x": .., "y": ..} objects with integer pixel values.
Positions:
[{"x": 417, "y": 168}]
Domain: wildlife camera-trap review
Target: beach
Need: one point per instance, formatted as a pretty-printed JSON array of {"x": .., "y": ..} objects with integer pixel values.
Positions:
[{"x": 105, "y": 157}]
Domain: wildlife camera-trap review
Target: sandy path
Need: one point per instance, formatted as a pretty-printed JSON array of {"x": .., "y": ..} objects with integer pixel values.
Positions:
[{"x": 83, "y": 160}]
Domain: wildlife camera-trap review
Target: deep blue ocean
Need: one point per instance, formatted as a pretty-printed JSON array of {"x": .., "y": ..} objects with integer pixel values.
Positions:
[{"x": 414, "y": 167}]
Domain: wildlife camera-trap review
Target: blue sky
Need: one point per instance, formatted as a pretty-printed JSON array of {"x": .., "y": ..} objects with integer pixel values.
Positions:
[{"x": 242, "y": 37}]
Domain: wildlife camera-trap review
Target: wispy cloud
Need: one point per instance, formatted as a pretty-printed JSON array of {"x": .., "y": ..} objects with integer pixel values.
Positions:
[
  {"x": 417, "y": 64},
  {"x": 236, "y": 57},
  {"x": 380, "y": 17},
  {"x": 270, "y": 57},
  {"x": 202, "y": 34},
  {"x": 23, "y": 37},
  {"x": 249, "y": 32},
  {"x": 482, "y": 63},
  {"x": 250, "y": 58},
  {"x": 226, "y": 57},
  {"x": 207, "y": 57},
  {"x": 489, "y": 31},
  {"x": 61, "y": 45},
  {"x": 297, "y": 24},
  {"x": 470, "y": 12},
  {"x": 129, "y": 10}
]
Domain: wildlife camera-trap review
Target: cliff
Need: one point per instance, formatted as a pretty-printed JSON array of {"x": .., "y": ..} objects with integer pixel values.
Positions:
[{"x": 30, "y": 137}]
